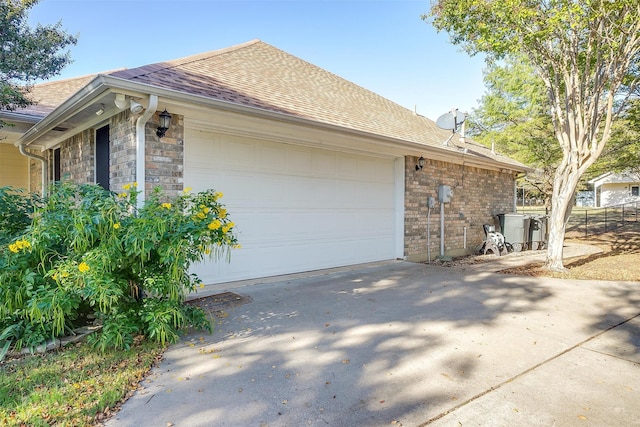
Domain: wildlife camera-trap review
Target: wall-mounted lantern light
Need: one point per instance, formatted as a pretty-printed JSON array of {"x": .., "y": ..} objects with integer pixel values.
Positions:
[
  {"x": 165, "y": 123},
  {"x": 420, "y": 164}
]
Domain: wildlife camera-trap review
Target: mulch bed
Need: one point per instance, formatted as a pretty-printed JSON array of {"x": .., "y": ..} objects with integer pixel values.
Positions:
[{"x": 219, "y": 302}]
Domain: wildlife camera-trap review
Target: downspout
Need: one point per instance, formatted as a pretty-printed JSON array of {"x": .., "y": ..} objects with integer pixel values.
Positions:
[
  {"x": 140, "y": 147},
  {"x": 45, "y": 166}
]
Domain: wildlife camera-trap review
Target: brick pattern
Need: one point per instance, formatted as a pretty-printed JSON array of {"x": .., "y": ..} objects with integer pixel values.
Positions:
[
  {"x": 122, "y": 140},
  {"x": 77, "y": 158},
  {"x": 164, "y": 157},
  {"x": 478, "y": 196},
  {"x": 35, "y": 176}
]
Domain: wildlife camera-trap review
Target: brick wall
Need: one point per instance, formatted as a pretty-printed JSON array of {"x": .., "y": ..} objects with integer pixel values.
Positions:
[
  {"x": 77, "y": 158},
  {"x": 122, "y": 140},
  {"x": 478, "y": 196},
  {"x": 165, "y": 156},
  {"x": 35, "y": 174}
]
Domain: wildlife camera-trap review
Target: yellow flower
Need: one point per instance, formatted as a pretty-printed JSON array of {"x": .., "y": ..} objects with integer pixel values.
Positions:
[
  {"x": 207, "y": 251},
  {"x": 122, "y": 195},
  {"x": 65, "y": 274},
  {"x": 186, "y": 190},
  {"x": 21, "y": 244},
  {"x": 226, "y": 229},
  {"x": 222, "y": 213},
  {"x": 201, "y": 215},
  {"x": 116, "y": 225},
  {"x": 135, "y": 185},
  {"x": 166, "y": 205},
  {"x": 214, "y": 225},
  {"x": 217, "y": 195},
  {"x": 83, "y": 267},
  {"x": 126, "y": 186},
  {"x": 238, "y": 246},
  {"x": 13, "y": 248},
  {"x": 201, "y": 285},
  {"x": 55, "y": 277},
  {"x": 205, "y": 210}
]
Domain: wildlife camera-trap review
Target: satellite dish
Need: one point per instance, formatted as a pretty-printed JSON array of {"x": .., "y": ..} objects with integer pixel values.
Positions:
[{"x": 451, "y": 120}]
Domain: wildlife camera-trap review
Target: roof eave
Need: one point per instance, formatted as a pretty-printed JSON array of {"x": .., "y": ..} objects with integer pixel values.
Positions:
[
  {"x": 64, "y": 111},
  {"x": 105, "y": 83}
]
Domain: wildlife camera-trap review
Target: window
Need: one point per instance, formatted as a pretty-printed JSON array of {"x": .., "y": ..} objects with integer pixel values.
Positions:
[
  {"x": 102, "y": 157},
  {"x": 57, "y": 168},
  {"x": 635, "y": 190}
]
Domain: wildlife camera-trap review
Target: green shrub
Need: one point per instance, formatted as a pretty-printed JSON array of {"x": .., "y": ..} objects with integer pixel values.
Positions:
[
  {"x": 91, "y": 252},
  {"x": 16, "y": 208}
]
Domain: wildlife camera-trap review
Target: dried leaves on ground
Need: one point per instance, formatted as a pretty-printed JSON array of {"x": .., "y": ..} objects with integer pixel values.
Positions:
[{"x": 619, "y": 259}]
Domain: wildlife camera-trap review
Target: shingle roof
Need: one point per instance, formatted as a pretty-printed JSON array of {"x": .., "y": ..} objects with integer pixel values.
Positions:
[
  {"x": 258, "y": 75},
  {"x": 47, "y": 96}
]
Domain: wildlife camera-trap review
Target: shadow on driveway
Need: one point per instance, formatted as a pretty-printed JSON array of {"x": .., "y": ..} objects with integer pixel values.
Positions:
[{"x": 393, "y": 344}]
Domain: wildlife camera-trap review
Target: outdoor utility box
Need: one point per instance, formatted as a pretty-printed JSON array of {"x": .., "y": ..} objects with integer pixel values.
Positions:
[
  {"x": 515, "y": 229},
  {"x": 538, "y": 231},
  {"x": 444, "y": 193}
]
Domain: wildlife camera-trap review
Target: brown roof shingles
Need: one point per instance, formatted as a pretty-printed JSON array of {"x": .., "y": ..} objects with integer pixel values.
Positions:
[{"x": 256, "y": 74}]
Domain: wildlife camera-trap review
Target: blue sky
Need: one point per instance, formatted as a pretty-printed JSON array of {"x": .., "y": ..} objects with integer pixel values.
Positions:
[{"x": 381, "y": 45}]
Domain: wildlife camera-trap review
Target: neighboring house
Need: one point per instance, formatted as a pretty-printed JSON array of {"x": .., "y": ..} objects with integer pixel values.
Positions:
[
  {"x": 611, "y": 189},
  {"x": 316, "y": 171},
  {"x": 585, "y": 199}
]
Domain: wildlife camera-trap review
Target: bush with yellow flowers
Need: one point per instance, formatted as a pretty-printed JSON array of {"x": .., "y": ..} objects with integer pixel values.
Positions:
[{"x": 90, "y": 253}]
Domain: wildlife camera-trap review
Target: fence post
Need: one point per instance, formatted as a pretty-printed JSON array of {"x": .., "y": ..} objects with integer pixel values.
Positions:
[
  {"x": 586, "y": 223},
  {"x": 605, "y": 220}
]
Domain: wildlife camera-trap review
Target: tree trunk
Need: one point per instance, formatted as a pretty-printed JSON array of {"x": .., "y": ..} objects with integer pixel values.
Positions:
[{"x": 564, "y": 187}]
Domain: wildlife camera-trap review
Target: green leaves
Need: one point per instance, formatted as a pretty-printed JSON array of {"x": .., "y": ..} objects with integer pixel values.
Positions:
[
  {"x": 27, "y": 54},
  {"x": 89, "y": 250}
]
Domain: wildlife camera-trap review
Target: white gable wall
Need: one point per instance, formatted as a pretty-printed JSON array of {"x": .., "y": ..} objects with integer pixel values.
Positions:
[{"x": 612, "y": 194}]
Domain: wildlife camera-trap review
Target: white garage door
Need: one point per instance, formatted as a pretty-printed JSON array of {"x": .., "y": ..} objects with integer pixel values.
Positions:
[{"x": 295, "y": 208}]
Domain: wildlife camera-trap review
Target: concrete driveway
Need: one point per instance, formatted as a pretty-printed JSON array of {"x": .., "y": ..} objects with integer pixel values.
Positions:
[{"x": 403, "y": 344}]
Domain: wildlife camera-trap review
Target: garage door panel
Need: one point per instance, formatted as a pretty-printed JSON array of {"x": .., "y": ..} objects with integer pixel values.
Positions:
[
  {"x": 324, "y": 164},
  {"x": 271, "y": 158},
  {"x": 296, "y": 208},
  {"x": 299, "y": 160},
  {"x": 236, "y": 152}
]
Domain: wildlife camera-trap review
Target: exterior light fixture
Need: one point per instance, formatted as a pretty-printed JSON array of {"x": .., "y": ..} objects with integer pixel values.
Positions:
[
  {"x": 165, "y": 123},
  {"x": 135, "y": 107},
  {"x": 420, "y": 164},
  {"x": 120, "y": 101},
  {"x": 100, "y": 110}
]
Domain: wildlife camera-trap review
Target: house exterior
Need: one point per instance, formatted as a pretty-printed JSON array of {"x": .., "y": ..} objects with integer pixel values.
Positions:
[
  {"x": 317, "y": 172},
  {"x": 612, "y": 189}
]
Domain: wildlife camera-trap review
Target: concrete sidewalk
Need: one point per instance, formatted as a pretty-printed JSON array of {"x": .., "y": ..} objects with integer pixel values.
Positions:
[{"x": 402, "y": 344}]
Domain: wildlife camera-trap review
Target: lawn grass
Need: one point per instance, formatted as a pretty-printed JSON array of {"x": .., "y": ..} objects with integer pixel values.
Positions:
[{"x": 74, "y": 386}]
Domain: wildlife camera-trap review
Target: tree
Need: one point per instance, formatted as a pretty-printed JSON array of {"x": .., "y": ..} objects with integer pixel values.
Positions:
[
  {"x": 513, "y": 118},
  {"x": 26, "y": 54},
  {"x": 587, "y": 54}
]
